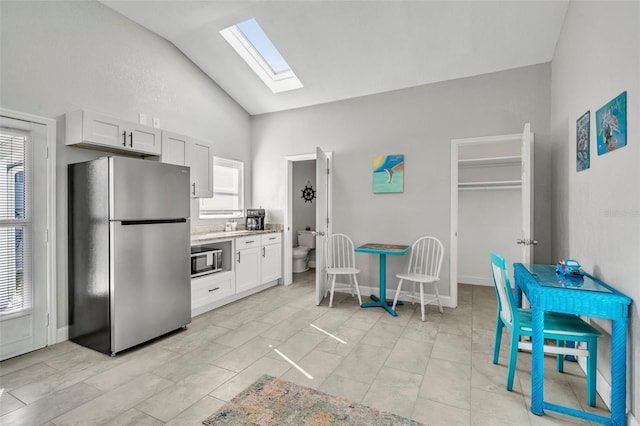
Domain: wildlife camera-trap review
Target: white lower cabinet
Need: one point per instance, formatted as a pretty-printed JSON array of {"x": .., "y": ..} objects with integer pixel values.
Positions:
[
  {"x": 247, "y": 263},
  {"x": 271, "y": 260},
  {"x": 211, "y": 288},
  {"x": 256, "y": 264}
]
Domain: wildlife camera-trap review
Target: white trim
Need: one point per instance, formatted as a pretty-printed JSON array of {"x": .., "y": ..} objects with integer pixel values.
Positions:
[
  {"x": 453, "y": 242},
  {"x": 468, "y": 279},
  {"x": 391, "y": 294},
  {"x": 62, "y": 334},
  {"x": 287, "y": 249},
  {"x": 603, "y": 387},
  {"x": 280, "y": 82},
  {"x": 50, "y": 124},
  {"x": 453, "y": 246}
]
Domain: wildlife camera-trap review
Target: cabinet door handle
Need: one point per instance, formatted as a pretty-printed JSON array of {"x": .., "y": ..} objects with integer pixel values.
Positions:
[
  {"x": 238, "y": 257},
  {"x": 214, "y": 289},
  {"x": 194, "y": 188},
  {"x": 124, "y": 138},
  {"x": 264, "y": 251},
  {"x": 131, "y": 139}
]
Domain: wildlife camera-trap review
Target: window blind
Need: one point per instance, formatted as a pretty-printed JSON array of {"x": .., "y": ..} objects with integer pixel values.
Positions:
[
  {"x": 16, "y": 290},
  {"x": 228, "y": 190}
]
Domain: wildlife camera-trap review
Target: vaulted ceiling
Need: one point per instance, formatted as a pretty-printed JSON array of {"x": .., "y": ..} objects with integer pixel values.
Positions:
[{"x": 347, "y": 49}]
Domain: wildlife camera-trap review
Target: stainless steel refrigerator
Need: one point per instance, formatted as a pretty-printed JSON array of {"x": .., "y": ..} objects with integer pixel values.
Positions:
[{"x": 129, "y": 239}]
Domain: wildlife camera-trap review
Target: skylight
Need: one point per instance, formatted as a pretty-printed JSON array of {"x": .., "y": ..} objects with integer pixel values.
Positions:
[{"x": 252, "y": 44}]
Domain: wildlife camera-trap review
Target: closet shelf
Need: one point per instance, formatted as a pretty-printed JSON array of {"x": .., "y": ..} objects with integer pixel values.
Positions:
[
  {"x": 490, "y": 161},
  {"x": 494, "y": 184}
]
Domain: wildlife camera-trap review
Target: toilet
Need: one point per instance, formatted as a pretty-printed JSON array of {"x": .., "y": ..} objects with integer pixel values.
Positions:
[{"x": 301, "y": 254}]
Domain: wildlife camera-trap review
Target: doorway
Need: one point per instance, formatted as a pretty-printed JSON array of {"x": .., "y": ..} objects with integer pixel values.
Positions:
[
  {"x": 323, "y": 209},
  {"x": 491, "y": 204},
  {"x": 27, "y": 237},
  {"x": 303, "y": 214}
]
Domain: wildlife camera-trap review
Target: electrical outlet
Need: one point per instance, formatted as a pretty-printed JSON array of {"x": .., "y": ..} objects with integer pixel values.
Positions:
[
  {"x": 142, "y": 118},
  {"x": 156, "y": 122}
]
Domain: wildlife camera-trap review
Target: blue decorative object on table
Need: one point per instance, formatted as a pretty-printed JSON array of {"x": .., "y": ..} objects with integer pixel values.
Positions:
[{"x": 569, "y": 268}]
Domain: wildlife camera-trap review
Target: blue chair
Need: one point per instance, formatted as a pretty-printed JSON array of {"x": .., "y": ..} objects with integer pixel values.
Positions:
[{"x": 559, "y": 327}]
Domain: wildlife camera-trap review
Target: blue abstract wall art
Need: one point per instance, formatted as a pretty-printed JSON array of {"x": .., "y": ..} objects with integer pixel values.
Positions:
[
  {"x": 388, "y": 173},
  {"x": 611, "y": 125}
]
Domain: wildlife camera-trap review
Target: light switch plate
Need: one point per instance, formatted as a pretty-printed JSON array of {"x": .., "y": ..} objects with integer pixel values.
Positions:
[
  {"x": 156, "y": 122},
  {"x": 142, "y": 118}
]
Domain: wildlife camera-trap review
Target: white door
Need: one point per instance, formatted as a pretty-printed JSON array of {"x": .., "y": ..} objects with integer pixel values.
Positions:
[
  {"x": 323, "y": 215},
  {"x": 526, "y": 240},
  {"x": 23, "y": 237}
]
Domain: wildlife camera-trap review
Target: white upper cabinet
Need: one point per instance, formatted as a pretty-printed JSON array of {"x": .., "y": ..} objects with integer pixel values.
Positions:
[
  {"x": 200, "y": 160},
  {"x": 103, "y": 132},
  {"x": 198, "y": 155},
  {"x": 174, "y": 148}
]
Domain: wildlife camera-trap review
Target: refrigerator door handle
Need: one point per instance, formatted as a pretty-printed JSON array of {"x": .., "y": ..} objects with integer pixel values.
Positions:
[{"x": 152, "y": 221}]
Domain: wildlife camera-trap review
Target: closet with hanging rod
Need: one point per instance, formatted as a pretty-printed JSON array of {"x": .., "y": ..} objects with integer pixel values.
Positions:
[{"x": 489, "y": 204}]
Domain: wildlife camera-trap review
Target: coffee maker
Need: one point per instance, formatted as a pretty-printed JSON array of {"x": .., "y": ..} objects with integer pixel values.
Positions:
[{"x": 255, "y": 220}]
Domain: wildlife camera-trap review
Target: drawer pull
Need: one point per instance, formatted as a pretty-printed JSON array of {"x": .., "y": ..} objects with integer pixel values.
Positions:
[
  {"x": 214, "y": 289},
  {"x": 249, "y": 242}
]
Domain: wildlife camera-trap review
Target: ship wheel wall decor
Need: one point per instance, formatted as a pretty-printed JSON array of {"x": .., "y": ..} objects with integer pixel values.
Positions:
[{"x": 308, "y": 193}]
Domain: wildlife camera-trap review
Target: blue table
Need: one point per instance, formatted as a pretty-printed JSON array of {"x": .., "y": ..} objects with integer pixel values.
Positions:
[
  {"x": 383, "y": 250},
  {"x": 590, "y": 297}
]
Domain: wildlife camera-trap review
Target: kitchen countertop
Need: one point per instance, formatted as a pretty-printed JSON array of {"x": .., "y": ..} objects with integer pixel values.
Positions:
[{"x": 207, "y": 237}]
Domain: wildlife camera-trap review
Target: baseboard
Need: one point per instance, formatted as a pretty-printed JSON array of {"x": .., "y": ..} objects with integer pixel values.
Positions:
[
  {"x": 603, "y": 388},
  {"x": 365, "y": 291},
  {"x": 468, "y": 279},
  {"x": 62, "y": 334}
]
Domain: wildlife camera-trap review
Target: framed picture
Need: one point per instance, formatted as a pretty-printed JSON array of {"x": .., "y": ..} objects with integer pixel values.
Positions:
[
  {"x": 583, "y": 130},
  {"x": 388, "y": 173},
  {"x": 611, "y": 125}
]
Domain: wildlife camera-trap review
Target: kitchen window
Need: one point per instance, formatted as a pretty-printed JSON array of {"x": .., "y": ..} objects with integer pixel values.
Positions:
[{"x": 228, "y": 190}]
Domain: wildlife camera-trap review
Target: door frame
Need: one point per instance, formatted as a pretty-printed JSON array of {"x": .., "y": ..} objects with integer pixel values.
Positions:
[
  {"x": 287, "y": 250},
  {"x": 50, "y": 129},
  {"x": 453, "y": 246}
]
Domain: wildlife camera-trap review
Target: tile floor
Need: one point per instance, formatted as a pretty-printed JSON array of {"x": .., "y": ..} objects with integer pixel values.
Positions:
[{"x": 438, "y": 371}]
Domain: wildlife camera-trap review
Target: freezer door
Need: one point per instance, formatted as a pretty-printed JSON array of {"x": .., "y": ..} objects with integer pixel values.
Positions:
[
  {"x": 150, "y": 281},
  {"x": 144, "y": 189}
]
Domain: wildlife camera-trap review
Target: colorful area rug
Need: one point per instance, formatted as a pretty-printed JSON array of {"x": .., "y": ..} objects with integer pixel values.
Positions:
[{"x": 271, "y": 401}]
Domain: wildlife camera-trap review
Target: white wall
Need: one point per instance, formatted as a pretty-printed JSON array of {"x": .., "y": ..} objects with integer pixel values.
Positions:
[
  {"x": 61, "y": 56},
  {"x": 420, "y": 123},
  {"x": 304, "y": 213},
  {"x": 596, "y": 212},
  {"x": 488, "y": 220}
]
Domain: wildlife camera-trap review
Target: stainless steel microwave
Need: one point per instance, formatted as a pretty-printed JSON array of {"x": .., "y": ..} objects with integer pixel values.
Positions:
[{"x": 205, "y": 260}]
